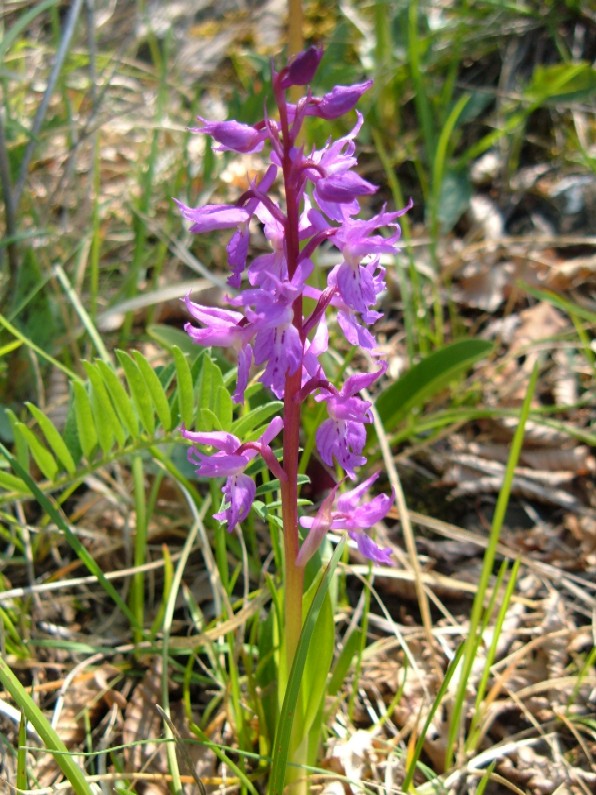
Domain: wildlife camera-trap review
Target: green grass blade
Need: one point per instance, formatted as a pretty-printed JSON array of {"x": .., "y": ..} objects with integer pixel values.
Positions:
[
  {"x": 22, "y": 754},
  {"x": 453, "y": 665},
  {"x": 487, "y": 568},
  {"x": 80, "y": 551},
  {"x": 50, "y": 739}
]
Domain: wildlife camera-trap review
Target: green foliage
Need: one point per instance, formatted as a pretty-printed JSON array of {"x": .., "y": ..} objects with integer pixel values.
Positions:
[
  {"x": 291, "y": 723},
  {"x": 114, "y": 414},
  {"x": 427, "y": 378}
]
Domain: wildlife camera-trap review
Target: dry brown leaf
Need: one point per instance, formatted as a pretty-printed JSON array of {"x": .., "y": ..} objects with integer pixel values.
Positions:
[{"x": 142, "y": 722}]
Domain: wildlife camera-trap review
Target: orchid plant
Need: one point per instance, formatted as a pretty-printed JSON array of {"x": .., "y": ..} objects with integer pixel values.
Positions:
[{"x": 273, "y": 335}]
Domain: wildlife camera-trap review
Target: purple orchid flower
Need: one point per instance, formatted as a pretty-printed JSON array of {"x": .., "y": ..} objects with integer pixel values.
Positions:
[
  {"x": 279, "y": 321},
  {"x": 230, "y": 461},
  {"x": 350, "y": 514},
  {"x": 337, "y": 102},
  {"x": 343, "y": 435},
  {"x": 232, "y": 135}
]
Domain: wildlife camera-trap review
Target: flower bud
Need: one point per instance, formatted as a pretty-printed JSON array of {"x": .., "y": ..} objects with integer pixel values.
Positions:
[{"x": 302, "y": 69}]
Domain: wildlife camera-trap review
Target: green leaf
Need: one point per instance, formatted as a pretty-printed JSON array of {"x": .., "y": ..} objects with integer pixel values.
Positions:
[
  {"x": 138, "y": 390},
  {"x": 20, "y": 443},
  {"x": 107, "y": 423},
  {"x": 186, "y": 398},
  {"x": 317, "y": 666},
  {"x": 120, "y": 398},
  {"x": 288, "y": 716},
  {"x": 210, "y": 397},
  {"x": 84, "y": 419},
  {"x": 41, "y": 455},
  {"x": 54, "y": 438},
  {"x": 344, "y": 662},
  {"x": 255, "y": 418},
  {"x": 12, "y": 483},
  {"x": 208, "y": 421},
  {"x": 225, "y": 408},
  {"x": 454, "y": 198},
  {"x": 170, "y": 337},
  {"x": 156, "y": 390},
  {"x": 561, "y": 82},
  {"x": 427, "y": 378}
]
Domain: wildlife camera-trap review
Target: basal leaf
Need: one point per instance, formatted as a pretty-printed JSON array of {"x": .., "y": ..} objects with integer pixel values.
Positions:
[
  {"x": 316, "y": 669},
  {"x": 156, "y": 390},
  {"x": 139, "y": 391},
  {"x": 427, "y": 378},
  {"x": 41, "y": 455},
  {"x": 53, "y": 438},
  {"x": 84, "y": 419},
  {"x": 120, "y": 398}
]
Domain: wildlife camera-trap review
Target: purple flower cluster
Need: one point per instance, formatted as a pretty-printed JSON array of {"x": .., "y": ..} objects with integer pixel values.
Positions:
[{"x": 266, "y": 324}]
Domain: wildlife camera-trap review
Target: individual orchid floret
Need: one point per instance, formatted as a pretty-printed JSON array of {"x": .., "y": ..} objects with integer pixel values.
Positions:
[
  {"x": 232, "y": 135},
  {"x": 237, "y": 248},
  {"x": 350, "y": 514},
  {"x": 273, "y": 264},
  {"x": 277, "y": 343},
  {"x": 356, "y": 333},
  {"x": 230, "y": 460},
  {"x": 336, "y": 185},
  {"x": 224, "y": 328},
  {"x": 337, "y": 102},
  {"x": 342, "y": 437},
  {"x": 360, "y": 279},
  {"x": 211, "y": 217}
]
